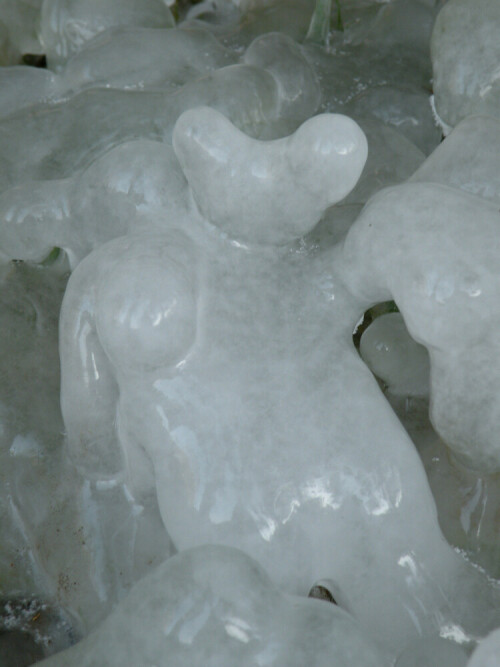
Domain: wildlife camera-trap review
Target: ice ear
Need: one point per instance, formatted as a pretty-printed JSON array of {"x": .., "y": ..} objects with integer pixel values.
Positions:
[{"x": 268, "y": 191}]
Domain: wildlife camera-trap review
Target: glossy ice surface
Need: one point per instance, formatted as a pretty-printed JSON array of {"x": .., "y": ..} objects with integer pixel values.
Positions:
[
  {"x": 394, "y": 357},
  {"x": 466, "y": 73},
  {"x": 487, "y": 653},
  {"x": 232, "y": 194},
  {"x": 443, "y": 275},
  {"x": 65, "y": 25},
  {"x": 242, "y": 419},
  {"x": 215, "y": 606}
]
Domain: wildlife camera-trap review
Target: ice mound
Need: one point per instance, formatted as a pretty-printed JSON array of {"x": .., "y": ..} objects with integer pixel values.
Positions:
[
  {"x": 469, "y": 158},
  {"x": 442, "y": 272},
  {"x": 465, "y": 53},
  {"x": 216, "y": 606},
  {"x": 78, "y": 130},
  {"x": 268, "y": 191}
]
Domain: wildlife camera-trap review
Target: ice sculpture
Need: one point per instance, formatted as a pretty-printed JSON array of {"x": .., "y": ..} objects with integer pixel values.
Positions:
[
  {"x": 434, "y": 250},
  {"x": 223, "y": 354},
  {"x": 65, "y": 25},
  {"x": 465, "y": 58},
  {"x": 138, "y": 184},
  {"x": 216, "y": 606},
  {"x": 268, "y": 192}
]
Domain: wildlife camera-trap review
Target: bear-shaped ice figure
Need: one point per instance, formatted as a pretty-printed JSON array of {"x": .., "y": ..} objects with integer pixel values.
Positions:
[{"x": 215, "y": 361}]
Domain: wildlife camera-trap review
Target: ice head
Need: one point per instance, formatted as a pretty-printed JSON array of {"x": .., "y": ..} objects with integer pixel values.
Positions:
[{"x": 269, "y": 192}]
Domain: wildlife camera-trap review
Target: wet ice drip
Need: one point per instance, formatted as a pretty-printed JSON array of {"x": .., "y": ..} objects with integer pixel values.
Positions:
[{"x": 249, "y": 385}]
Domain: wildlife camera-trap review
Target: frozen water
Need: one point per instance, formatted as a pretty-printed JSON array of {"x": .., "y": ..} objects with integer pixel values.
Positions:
[
  {"x": 268, "y": 192},
  {"x": 136, "y": 184},
  {"x": 284, "y": 59},
  {"x": 392, "y": 159},
  {"x": 487, "y": 653},
  {"x": 465, "y": 58},
  {"x": 63, "y": 538},
  {"x": 259, "y": 361},
  {"x": 162, "y": 60},
  {"x": 469, "y": 158},
  {"x": 54, "y": 141},
  {"x": 142, "y": 58},
  {"x": 18, "y": 29},
  {"x": 24, "y": 86},
  {"x": 208, "y": 363},
  {"x": 406, "y": 110},
  {"x": 432, "y": 652},
  {"x": 394, "y": 357},
  {"x": 434, "y": 250},
  {"x": 65, "y": 25},
  {"x": 215, "y": 606}
]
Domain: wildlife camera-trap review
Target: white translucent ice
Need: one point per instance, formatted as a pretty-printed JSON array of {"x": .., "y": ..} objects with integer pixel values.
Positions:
[
  {"x": 487, "y": 653},
  {"x": 140, "y": 183},
  {"x": 18, "y": 30},
  {"x": 215, "y": 607},
  {"x": 395, "y": 357},
  {"x": 136, "y": 184},
  {"x": 283, "y": 57},
  {"x": 404, "y": 109},
  {"x": 125, "y": 58},
  {"x": 469, "y": 158},
  {"x": 392, "y": 159},
  {"x": 219, "y": 368},
  {"x": 432, "y": 652},
  {"x": 54, "y": 141},
  {"x": 268, "y": 191},
  {"x": 141, "y": 58},
  {"x": 465, "y": 53},
  {"x": 65, "y": 25},
  {"x": 23, "y": 86},
  {"x": 435, "y": 251}
]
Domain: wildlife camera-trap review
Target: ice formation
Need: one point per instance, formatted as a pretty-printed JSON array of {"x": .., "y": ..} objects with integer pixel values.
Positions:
[
  {"x": 224, "y": 400},
  {"x": 466, "y": 71},
  {"x": 487, "y": 653},
  {"x": 215, "y": 606},
  {"x": 238, "y": 193},
  {"x": 443, "y": 275},
  {"x": 66, "y": 25},
  {"x": 395, "y": 357}
]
